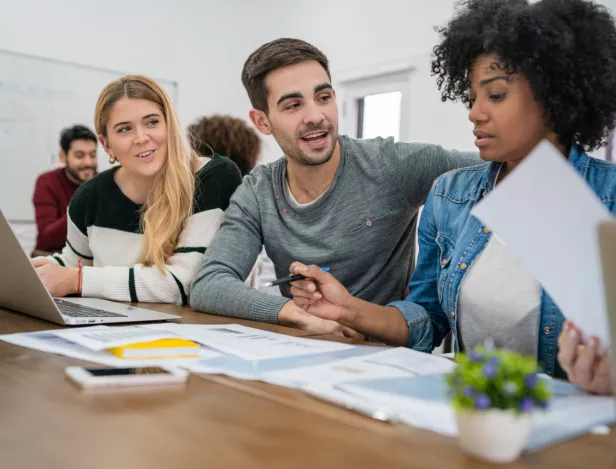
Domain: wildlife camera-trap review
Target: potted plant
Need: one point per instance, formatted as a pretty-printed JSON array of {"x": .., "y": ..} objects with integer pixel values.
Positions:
[{"x": 494, "y": 393}]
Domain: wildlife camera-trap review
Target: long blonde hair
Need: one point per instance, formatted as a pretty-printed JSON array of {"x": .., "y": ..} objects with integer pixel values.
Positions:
[{"x": 170, "y": 201}]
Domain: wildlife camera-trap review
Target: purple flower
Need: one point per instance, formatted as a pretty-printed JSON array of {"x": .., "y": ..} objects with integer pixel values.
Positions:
[
  {"x": 494, "y": 361},
  {"x": 482, "y": 402},
  {"x": 468, "y": 391},
  {"x": 489, "y": 370},
  {"x": 527, "y": 404},
  {"x": 475, "y": 357},
  {"x": 543, "y": 405},
  {"x": 531, "y": 380}
]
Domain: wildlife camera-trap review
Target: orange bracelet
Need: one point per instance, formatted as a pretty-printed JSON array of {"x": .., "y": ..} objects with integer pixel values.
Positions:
[{"x": 79, "y": 281}]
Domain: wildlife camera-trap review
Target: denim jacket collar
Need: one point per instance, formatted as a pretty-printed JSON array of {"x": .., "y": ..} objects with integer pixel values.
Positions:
[{"x": 577, "y": 158}]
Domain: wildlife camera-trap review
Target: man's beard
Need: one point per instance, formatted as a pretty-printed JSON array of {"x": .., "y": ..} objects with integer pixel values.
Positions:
[
  {"x": 292, "y": 150},
  {"x": 75, "y": 174}
]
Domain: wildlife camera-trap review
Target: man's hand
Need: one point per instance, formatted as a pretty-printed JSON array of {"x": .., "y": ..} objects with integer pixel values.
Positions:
[
  {"x": 320, "y": 294},
  {"x": 59, "y": 281},
  {"x": 294, "y": 316},
  {"x": 584, "y": 365},
  {"x": 326, "y": 299}
]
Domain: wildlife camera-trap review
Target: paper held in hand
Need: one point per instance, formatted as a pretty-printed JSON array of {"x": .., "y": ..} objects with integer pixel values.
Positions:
[{"x": 548, "y": 216}]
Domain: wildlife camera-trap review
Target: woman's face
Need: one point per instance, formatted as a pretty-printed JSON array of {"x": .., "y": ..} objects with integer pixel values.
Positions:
[
  {"x": 137, "y": 137},
  {"x": 508, "y": 120}
]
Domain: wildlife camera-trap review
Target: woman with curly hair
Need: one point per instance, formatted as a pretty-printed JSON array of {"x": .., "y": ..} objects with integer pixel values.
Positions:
[
  {"x": 227, "y": 136},
  {"x": 527, "y": 73}
]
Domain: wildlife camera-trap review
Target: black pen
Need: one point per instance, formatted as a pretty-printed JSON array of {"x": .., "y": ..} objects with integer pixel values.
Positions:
[{"x": 290, "y": 278}]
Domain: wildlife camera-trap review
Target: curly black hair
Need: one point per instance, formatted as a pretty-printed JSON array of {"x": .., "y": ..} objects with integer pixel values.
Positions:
[
  {"x": 566, "y": 49},
  {"x": 227, "y": 136}
]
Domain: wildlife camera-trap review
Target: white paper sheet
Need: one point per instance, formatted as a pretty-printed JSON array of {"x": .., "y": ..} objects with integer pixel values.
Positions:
[
  {"x": 95, "y": 339},
  {"x": 249, "y": 343},
  {"x": 547, "y": 215},
  {"x": 390, "y": 363}
]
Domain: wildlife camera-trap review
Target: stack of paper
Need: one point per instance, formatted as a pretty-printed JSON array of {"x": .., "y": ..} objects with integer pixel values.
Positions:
[
  {"x": 423, "y": 402},
  {"x": 90, "y": 344},
  {"x": 109, "y": 337},
  {"x": 374, "y": 364}
]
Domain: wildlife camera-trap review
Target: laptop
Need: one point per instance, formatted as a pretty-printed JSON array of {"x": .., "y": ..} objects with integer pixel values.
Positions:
[
  {"x": 22, "y": 290},
  {"x": 607, "y": 245}
]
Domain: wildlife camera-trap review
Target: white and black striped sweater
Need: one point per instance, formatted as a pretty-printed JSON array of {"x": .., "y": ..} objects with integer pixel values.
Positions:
[{"x": 104, "y": 230}]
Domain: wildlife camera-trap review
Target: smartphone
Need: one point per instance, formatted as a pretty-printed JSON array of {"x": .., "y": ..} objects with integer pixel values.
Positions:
[{"x": 92, "y": 378}]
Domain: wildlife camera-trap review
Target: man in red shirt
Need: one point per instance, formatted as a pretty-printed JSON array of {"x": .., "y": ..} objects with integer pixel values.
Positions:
[{"x": 55, "y": 189}]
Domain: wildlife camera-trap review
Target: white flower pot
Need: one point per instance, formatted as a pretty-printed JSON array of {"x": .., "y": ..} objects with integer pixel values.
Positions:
[{"x": 493, "y": 435}]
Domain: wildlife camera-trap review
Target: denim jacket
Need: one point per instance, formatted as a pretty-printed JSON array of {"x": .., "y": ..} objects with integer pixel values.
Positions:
[{"x": 450, "y": 240}]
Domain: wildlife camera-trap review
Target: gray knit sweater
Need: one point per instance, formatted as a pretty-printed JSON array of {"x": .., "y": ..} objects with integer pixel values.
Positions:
[{"x": 363, "y": 227}]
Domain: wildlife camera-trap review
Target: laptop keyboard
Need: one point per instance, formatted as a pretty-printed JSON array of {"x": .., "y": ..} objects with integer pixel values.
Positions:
[{"x": 75, "y": 310}]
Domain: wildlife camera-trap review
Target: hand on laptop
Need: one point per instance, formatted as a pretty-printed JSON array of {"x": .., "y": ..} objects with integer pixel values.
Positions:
[
  {"x": 584, "y": 364},
  {"x": 59, "y": 281}
]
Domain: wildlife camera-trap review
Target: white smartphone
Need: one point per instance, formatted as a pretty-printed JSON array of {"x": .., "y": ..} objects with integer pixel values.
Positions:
[{"x": 91, "y": 378}]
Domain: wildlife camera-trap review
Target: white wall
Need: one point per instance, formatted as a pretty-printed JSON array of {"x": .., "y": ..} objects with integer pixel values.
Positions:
[
  {"x": 203, "y": 44},
  {"x": 369, "y": 34},
  {"x": 360, "y": 35}
]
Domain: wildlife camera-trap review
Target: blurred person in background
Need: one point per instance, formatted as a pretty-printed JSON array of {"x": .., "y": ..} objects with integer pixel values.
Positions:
[
  {"x": 54, "y": 189},
  {"x": 234, "y": 138},
  {"x": 226, "y": 136}
]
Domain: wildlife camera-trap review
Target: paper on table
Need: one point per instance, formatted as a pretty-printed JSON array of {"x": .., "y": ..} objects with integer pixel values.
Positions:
[
  {"x": 423, "y": 402},
  {"x": 236, "y": 367},
  {"x": 112, "y": 336},
  {"x": 417, "y": 363},
  {"x": 390, "y": 363},
  {"x": 250, "y": 343},
  {"x": 47, "y": 341},
  {"x": 547, "y": 215}
]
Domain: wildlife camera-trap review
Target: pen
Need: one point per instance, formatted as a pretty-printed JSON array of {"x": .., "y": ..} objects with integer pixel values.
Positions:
[{"x": 290, "y": 278}]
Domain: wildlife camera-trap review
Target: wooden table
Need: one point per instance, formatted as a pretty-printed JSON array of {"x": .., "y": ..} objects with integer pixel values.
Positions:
[{"x": 214, "y": 422}]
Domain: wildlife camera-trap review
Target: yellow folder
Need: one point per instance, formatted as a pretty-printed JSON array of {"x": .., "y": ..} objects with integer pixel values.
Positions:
[{"x": 163, "y": 348}]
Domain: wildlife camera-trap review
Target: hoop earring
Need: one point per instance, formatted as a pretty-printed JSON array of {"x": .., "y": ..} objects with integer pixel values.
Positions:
[{"x": 112, "y": 160}]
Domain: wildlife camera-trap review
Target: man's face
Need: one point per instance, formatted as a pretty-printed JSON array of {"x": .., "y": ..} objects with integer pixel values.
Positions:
[
  {"x": 81, "y": 160},
  {"x": 303, "y": 114}
]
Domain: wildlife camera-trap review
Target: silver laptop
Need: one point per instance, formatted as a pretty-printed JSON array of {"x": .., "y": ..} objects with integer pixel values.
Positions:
[
  {"x": 607, "y": 243},
  {"x": 22, "y": 290}
]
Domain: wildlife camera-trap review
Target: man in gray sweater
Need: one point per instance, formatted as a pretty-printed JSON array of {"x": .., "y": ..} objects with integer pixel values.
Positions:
[{"x": 331, "y": 200}]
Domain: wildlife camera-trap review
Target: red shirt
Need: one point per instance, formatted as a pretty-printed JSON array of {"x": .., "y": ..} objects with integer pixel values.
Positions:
[{"x": 52, "y": 193}]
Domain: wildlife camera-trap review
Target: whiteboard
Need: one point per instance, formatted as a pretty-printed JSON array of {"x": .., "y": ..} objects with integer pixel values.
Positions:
[{"x": 38, "y": 98}]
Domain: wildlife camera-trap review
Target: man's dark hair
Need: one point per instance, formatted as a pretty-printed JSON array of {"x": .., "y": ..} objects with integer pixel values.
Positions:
[
  {"x": 77, "y": 132},
  {"x": 272, "y": 56},
  {"x": 566, "y": 49}
]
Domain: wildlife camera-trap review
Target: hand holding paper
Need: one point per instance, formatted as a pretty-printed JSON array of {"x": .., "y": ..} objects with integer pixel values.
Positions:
[{"x": 548, "y": 216}]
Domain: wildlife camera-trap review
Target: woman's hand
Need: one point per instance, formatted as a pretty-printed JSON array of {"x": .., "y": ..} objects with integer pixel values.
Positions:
[
  {"x": 584, "y": 364},
  {"x": 59, "y": 281}
]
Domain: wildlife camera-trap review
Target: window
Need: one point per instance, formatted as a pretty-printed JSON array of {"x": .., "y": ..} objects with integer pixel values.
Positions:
[
  {"x": 376, "y": 106},
  {"x": 379, "y": 115}
]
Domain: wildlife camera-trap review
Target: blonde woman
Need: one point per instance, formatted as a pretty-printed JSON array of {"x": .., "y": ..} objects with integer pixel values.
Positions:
[{"x": 138, "y": 231}]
